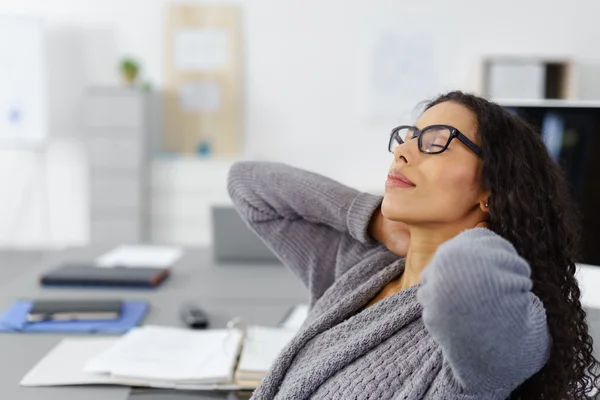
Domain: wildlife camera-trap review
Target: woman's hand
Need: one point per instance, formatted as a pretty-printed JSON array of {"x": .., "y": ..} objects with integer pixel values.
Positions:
[{"x": 393, "y": 234}]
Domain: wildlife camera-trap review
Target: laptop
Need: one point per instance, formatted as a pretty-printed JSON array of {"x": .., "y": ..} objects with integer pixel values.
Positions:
[{"x": 234, "y": 242}]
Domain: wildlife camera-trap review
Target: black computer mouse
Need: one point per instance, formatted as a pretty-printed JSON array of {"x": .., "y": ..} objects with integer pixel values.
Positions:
[{"x": 194, "y": 317}]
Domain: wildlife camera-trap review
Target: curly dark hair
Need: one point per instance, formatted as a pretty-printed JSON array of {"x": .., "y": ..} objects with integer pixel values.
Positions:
[{"x": 530, "y": 206}]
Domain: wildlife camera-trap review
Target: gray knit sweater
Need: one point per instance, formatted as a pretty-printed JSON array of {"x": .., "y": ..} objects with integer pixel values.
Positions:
[{"x": 472, "y": 329}]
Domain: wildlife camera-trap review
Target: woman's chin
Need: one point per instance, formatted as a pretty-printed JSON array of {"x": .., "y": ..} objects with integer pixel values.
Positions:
[
  {"x": 395, "y": 210},
  {"x": 391, "y": 211}
]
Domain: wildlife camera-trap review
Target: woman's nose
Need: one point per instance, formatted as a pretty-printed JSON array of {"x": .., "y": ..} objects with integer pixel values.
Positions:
[{"x": 405, "y": 151}]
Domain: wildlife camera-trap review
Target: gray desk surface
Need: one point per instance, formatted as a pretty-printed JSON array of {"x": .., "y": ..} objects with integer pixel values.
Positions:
[{"x": 259, "y": 294}]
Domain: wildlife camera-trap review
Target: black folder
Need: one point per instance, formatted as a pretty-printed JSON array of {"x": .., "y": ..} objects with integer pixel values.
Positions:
[{"x": 86, "y": 275}]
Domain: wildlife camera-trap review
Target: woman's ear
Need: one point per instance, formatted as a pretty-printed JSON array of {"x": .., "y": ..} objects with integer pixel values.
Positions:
[{"x": 484, "y": 203}]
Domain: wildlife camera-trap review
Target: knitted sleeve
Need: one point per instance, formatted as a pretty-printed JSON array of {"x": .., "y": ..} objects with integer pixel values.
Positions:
[
  {"x": 316, "y": 226},
  {"x": 479, "y": 307}
]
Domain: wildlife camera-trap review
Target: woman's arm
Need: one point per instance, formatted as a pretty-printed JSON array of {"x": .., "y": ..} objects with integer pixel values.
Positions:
[
  {"x": 316, "y": 226},
  {"x": 478, "y": 306}
]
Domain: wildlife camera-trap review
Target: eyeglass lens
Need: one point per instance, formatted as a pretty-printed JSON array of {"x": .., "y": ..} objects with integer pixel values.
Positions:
[{"x": 433, "y": 140}]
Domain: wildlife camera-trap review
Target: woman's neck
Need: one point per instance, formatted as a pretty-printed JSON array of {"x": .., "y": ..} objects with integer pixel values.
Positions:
[{"x": 424, "y": 242}]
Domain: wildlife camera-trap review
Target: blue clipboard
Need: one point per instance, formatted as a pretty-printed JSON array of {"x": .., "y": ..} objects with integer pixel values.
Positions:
[{"x": 14, "y": 319}]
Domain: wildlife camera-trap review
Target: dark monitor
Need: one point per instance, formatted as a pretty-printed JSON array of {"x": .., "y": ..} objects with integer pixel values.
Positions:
[{"x": 571, "y": 131}]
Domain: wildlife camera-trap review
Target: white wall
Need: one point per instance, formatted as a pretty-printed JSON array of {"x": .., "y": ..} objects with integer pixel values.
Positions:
[{"x": 304, "y": 69}]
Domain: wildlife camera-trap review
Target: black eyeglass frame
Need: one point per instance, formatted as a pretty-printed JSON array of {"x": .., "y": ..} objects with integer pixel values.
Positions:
[{"x": 454, "y": 133}]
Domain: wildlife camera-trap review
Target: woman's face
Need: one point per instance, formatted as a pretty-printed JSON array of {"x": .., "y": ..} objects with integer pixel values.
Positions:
[{"x": 447, "y": 185}]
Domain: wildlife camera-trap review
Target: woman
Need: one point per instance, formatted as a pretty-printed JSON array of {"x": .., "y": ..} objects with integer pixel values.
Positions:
[{"x": 458, "y": 284}]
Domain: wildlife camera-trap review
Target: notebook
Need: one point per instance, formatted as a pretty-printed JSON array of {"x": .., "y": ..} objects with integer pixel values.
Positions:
[
  {"x": 85, "y": 275},
  {"x": 162, "y": 357},
  {"x": 261, "y": 347},
  {"x": 15, "y": 319},
  {"x": 74, "y": 310}
]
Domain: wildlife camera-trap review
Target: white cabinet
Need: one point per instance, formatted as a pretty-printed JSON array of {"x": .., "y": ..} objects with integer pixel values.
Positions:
[
  {"x": 117, "y": 144},
  {"x": 183, "y": 191}
]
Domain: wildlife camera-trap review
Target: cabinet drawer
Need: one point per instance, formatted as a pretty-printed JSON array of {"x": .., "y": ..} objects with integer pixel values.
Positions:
[
  {"x": 115, "y": 230},
  {"x": 183, "y": 232},
  {"x": 110, "y": 152},
  {"x": 115, "y": 192},
  {"x": 114, "y": 108}
]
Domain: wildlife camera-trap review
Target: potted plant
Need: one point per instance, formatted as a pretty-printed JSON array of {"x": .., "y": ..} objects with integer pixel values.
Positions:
[{"x": 130, "y": 70}]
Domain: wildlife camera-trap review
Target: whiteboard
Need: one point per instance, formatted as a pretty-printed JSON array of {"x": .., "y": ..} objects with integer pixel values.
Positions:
[{"x": 23, "y": 113}]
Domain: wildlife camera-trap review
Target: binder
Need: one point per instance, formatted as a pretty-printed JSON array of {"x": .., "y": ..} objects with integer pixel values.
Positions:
[{"x": 164, "y": 357}]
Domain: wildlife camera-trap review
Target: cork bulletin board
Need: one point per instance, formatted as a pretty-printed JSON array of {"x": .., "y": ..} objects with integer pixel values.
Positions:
[{"x": 203, "y": 79}]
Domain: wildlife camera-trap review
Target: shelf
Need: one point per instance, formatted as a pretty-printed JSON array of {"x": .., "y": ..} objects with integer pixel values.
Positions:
[
  {"x": 558, "y": 103},
  {"x": 528, "y": 77}
]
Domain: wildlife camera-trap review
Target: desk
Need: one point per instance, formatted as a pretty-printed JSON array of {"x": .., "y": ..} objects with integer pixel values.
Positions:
[{"x": 259, "y": 294}]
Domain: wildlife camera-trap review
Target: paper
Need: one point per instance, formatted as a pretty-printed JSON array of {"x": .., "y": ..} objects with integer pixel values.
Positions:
[
  {"x": 402, "y": 71},
  {"x": 155, "y": 353},
  {"x": 64, "y": 366},
  {"x": 200, "y": 49},
  {"x": 200, "y": 96},
  {"x": 262, "y": 345},
  {"x": 140, "y": 256},
  {"x": 398, "y": 65},
  {"x": 23, "y": 79},
  {"x": 296, "y": 317}
]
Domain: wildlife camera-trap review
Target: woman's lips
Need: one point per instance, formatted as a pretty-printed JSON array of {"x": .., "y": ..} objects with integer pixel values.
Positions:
[{"x": 397, "y": 180}]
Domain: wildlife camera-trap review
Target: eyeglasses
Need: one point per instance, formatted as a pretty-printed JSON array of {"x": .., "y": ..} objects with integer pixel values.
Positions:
[{"x": 433, "y": 139}]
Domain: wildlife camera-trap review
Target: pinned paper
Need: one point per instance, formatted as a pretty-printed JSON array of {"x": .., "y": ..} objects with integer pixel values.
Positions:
[
  {"x": 200, "y": 96},
  {"x": 199, "y": 50}
]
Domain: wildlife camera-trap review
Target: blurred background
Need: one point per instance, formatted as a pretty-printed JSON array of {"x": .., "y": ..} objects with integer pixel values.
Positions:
[{"x": 120, "y": 119}]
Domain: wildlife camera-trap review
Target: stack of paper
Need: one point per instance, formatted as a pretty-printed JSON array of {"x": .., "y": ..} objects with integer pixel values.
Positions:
[
  {"x": 261, "y": 348},
  {"x": 296, "y": 317},
  {"x": 164, "y": 357},
  {"x": 140, "y": 256},
  {"x": 63, "y": 365},
  {"x": 163, "y": 354},
  {"x": 151, "y": 356}
]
